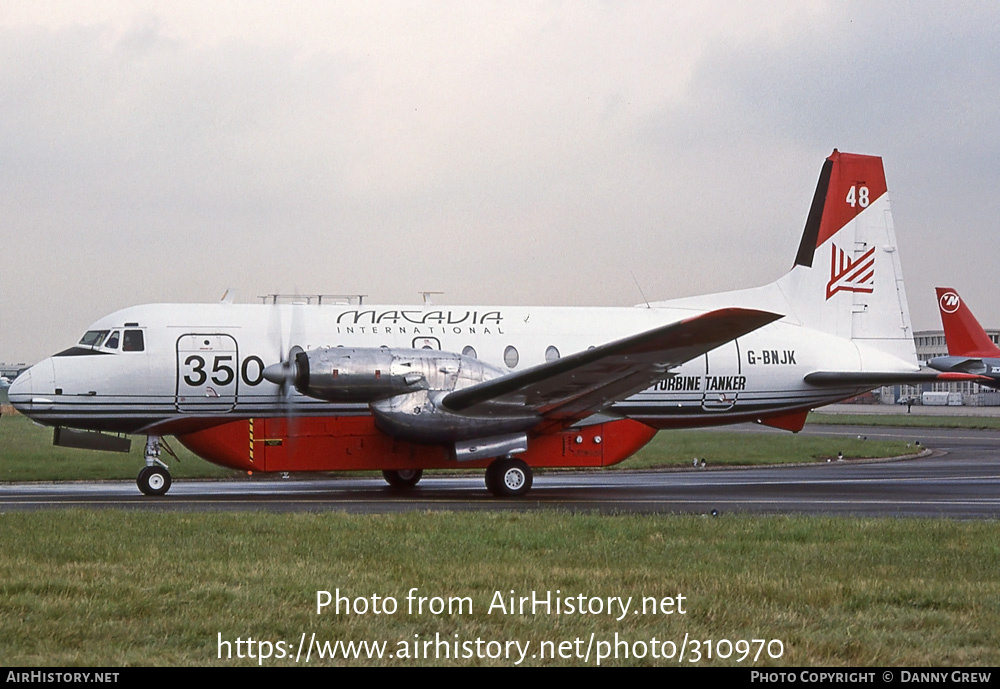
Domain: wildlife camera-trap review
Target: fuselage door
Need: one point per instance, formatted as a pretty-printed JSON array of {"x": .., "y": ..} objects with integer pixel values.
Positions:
[
  {"x": 207, "y": 379},
  {"x": 723, "y": 378}
]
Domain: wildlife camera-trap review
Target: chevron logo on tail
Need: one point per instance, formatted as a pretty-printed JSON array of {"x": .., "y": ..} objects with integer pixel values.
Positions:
[{"x": 848, "y": 275}]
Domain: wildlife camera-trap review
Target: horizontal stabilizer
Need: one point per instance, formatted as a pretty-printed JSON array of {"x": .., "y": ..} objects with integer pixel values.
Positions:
[
  {"x": 873, "y": 379},
  {"x": 961, "y": 364},
  {"x": 576, "y": 386}
]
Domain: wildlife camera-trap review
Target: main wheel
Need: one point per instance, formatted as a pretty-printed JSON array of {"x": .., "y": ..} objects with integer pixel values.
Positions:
[
  {"x": 493, "y": 477},
  {"x": 508, "y": 477},
  {"x": 402, "y": 478},
  {"x": 153, "y": 480}
]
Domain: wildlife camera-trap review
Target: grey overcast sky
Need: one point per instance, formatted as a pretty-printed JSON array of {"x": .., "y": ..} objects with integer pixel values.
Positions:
[{"x": 501, "y": 152}]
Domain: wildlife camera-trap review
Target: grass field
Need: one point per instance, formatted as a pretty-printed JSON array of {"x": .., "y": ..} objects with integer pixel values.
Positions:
[
  {"x": 905, "y": 421},
  {"x": 115, "y": 588},
  {"x": 731, "y": 448}
]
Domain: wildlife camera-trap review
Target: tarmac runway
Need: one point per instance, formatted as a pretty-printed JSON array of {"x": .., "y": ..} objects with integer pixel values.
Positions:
[{"x": 958, "y": 478}]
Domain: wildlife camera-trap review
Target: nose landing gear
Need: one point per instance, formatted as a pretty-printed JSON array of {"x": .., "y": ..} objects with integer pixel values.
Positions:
[{"x": 154, "y": 479}]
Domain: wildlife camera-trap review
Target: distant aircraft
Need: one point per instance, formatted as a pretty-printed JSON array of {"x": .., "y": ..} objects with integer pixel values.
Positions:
[
  {"x": 970, "y": 349},
  {"x": 307, "y": 387},
  {"x": 4, "y": 382}
]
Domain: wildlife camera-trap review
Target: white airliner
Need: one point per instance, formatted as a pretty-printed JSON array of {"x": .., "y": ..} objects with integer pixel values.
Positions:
[{"x": 306, "y": 387}]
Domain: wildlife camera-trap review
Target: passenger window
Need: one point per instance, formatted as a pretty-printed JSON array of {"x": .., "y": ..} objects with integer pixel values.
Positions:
[
  {"x": 469, "y": 351},
  {"x": 112, "y": 342},
  {"x": 510, "y": 356},
  {"x": 133, "y": 341},
  {"x": 551, "y": 353}
]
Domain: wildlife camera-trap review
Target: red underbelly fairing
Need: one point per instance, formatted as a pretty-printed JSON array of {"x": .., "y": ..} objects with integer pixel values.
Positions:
[{"x": 353, "y": 442}]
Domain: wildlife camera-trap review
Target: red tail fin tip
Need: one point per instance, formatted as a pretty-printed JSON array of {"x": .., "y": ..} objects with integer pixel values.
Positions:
[
  {"x": 962, "y": 332},
  {"x": 855, "y": 182}
]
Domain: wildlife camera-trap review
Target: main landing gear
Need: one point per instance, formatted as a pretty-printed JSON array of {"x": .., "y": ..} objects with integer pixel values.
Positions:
[
  {"x": 402, "y": 478},
  {"x": 154, "y": 479},
  {"x": 508, "y": 477}
]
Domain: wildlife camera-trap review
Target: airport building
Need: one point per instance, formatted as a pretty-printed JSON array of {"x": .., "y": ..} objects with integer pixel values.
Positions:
[{"x": 10, "y": 371}]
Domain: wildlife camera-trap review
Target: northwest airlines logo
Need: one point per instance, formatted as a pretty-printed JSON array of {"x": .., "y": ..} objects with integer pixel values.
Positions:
[
  {"x": 847, "y": 275},
  {"x": 949, "y": 302}
]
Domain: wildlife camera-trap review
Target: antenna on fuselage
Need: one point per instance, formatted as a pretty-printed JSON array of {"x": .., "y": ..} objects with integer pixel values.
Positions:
[
  {"x": 641, "y": 293},
  {"x": 427, "y": 296},
  {"x": 297, "y": 298}
]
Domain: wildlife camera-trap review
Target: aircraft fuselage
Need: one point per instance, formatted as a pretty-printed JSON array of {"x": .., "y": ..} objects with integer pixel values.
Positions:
[{"x": 202, "y": 364}]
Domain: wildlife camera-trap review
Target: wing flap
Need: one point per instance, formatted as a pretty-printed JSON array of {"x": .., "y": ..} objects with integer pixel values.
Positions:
[{"x": 587, "y": 382}]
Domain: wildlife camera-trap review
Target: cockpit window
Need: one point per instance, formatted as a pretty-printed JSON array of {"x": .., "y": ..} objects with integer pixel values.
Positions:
[
  {"x": 112, "y": 342},
  {"x": 93, "y": 338},
  {"x": 133, "y": 341}
]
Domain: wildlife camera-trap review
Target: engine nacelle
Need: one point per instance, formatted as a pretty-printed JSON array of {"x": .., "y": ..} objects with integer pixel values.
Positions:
[
  {"x": 404, "y": 388},
  {"x": 420, "y": 417},
  {"x": 341, "y": 374}
]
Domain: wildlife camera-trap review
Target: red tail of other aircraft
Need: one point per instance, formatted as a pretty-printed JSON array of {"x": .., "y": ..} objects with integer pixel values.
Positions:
[{"x": 963, "y": 333}]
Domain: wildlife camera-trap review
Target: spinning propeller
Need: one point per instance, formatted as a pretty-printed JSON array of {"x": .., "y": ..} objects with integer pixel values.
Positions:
[{"x": 284, "y": 372}]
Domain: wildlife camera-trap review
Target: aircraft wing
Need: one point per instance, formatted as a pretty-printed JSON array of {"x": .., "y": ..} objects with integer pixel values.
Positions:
[{"x": 576, "y": 386}]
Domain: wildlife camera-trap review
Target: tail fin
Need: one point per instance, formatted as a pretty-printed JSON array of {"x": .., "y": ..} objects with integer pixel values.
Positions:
[
  {"x": 963, "y": 333},
  {"x": 847, "y": 279}
]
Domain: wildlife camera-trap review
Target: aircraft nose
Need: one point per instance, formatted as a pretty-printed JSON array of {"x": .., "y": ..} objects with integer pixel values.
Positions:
[
  {"x": 23, "y": 392},
  {"x": 19, "y": 391}
]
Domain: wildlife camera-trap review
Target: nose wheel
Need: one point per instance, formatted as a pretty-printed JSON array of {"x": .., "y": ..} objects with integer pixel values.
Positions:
[
  {"x": 154, "y": 479},
  {"x": 508, "y": 477}
]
